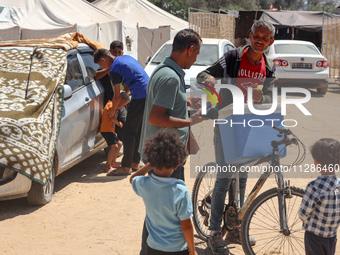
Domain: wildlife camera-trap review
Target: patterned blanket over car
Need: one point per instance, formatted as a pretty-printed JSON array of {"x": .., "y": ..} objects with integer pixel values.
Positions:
[{"x": 31, "y": 99}]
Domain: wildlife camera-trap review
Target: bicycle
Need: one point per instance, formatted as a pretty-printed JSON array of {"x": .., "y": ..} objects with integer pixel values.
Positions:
[{"x": 271, "y": 218}]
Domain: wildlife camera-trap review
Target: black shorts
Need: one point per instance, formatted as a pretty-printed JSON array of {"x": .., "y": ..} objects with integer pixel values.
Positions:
[{"x": 110, "y": 138}]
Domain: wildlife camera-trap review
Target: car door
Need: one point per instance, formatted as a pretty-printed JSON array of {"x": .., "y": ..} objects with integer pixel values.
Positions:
[
  {"x": 75, "y": 125},
  {"x": 96, "y": 94}
]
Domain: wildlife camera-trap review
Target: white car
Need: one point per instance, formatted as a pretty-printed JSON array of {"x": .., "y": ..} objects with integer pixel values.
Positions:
[
  {"x": 299, "y": 64},
  {"x": 211, "y": 51},
  {"x": 79, "y": 135}
]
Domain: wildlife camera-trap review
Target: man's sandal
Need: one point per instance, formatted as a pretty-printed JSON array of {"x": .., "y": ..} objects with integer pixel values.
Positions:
[{"x": 119, "y": 172}]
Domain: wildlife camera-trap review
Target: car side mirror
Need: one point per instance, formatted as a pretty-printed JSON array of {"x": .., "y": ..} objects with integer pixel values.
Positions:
[
  {"x": 147, "y": 59},
  {"x": 67, "y": 91}
]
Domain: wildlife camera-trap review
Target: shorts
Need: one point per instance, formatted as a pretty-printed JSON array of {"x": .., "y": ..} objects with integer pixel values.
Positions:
[{"x": 110, "y": 138}]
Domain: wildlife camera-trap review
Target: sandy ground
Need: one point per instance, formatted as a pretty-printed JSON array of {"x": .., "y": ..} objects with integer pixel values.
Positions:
[{"x": 92, "y": 213}]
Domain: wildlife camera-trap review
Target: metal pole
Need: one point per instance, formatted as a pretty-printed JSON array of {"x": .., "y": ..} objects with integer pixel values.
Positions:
[
  {"x": 335, "y": 46},
  {"x": 326, "y": 53},
  {"x": 330, "y": 51},
  {"x": 339, "y": 52}
]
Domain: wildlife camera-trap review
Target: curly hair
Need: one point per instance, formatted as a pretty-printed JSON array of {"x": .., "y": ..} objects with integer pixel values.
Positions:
[
  {"x": 326, "y": 151},
  {"x": 165, "y": 149}
]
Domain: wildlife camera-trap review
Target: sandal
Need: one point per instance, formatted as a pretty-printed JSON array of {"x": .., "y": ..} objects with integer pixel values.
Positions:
[
  {"x": 106, "y": 169},
  {"x": 115, "y": 165},
  {"x": 119, "y": 172}
]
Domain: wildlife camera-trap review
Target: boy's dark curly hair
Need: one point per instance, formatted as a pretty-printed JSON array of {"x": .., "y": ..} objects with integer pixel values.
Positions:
[
  {"x": 165, "y": 149},
  {"x": 326, "y": 151}
]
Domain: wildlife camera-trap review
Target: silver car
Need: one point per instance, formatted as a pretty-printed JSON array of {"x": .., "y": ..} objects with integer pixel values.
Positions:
[
  {"x": 299, "y": 64},
  {"x": 79, "y": 135}
]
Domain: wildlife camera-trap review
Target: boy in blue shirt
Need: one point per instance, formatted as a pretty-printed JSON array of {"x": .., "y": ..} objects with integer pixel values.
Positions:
[
  {"x": 167, "y": 200},
  {"x": 320, "y": 206},
  {"x": 127, "y": 71}
]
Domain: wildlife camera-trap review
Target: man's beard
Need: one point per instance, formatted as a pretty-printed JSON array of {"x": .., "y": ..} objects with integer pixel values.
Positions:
[{"x": 258, "y": 51}]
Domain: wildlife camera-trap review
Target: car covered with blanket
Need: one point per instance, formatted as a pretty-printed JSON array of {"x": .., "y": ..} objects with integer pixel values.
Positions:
[{"x": 50, "y": 111}]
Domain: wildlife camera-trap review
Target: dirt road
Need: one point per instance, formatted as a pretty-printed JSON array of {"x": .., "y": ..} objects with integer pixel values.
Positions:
[{"x": 94, "y": 214}]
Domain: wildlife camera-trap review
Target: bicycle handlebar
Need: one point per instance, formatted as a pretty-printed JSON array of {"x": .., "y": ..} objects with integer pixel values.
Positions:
[
  {"x": 283, "y": 131},
  {"x": 285, "y": 140}
]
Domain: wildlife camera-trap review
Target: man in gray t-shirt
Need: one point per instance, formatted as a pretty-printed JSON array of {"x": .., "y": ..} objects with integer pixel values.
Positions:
[
  {"x": 166, "y": 90},
  {"x": 166, "y": 101}
]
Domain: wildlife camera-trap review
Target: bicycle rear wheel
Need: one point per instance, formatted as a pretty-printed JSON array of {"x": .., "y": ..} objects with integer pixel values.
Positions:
[
  {"x": 262, "y": 222},
  {"x": 201, "y": 199}
]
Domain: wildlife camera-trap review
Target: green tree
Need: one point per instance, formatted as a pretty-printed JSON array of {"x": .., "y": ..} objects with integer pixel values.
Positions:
[
  {"x": 314, "y": 5},
  {"x": 198, "y": 4},
  {"x": 265, "y": 4},
  {"x": 178, "y": 8},
  {"x": 292, "y": 5}
]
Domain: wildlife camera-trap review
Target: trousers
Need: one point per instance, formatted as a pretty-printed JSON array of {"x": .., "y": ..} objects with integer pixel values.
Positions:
[
  {"x": 132, "y": 132},
  {"x": 222, "y": 186}
]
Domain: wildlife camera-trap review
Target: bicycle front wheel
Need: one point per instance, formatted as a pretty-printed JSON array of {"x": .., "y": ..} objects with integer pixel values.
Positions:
[{"x": 262, "y": 222}]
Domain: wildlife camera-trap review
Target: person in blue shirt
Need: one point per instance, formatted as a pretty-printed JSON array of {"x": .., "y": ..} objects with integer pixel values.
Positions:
[
  {"x": 320, "y": 205},
  {"x": 127, "y": 70},
  {"x": 167, "y": 199}
]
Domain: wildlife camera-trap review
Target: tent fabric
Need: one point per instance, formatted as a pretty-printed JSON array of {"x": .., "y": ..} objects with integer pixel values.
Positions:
[
  {"x": 311, "y": 21},
  {"x": 145, "y": 26},
  {"x": 150, "y": 40},
  {"x": 35, "y": 19},
  {"x": 141, "y": 13}
]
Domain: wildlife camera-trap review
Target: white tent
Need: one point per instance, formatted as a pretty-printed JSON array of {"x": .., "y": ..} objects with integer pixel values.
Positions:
[
  {"x": 147, "y": 25},
  {"x": 35, "y": 19},
  {"x": 141, "y": 12}
]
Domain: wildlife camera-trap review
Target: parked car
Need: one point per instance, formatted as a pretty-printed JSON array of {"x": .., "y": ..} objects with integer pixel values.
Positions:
[
  {"x": 78, "y": 138},
  {"x": 299, "y": 64},
  {"x": 211, "y": 51}
]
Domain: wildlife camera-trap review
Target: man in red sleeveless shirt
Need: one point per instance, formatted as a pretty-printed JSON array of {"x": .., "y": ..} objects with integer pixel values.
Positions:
[{"x": 244, "y": 67}]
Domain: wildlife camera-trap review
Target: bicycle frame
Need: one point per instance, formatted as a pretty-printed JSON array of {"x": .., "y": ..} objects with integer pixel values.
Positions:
[
  {"x": 275, "y": 164},
  {"x": 267, "y": 220}
]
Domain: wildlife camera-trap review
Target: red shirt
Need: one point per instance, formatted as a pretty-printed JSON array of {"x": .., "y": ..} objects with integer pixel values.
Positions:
[{"x": 249, "y": 74}]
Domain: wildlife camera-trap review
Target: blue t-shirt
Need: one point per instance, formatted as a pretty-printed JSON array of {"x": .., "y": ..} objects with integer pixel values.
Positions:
[
  {"x": 167, "y": 202},
  {"x": 125, "y": 69}
]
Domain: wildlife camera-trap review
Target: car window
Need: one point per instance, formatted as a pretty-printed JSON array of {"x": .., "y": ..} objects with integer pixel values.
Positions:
[
  {"x": 208, "y": 55},
  {"x": 74, "y": 76},
  {"x": 91, "y": 67},
  {"x": 164, "y": 52},
  {"x": 298, "y": 49}
]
